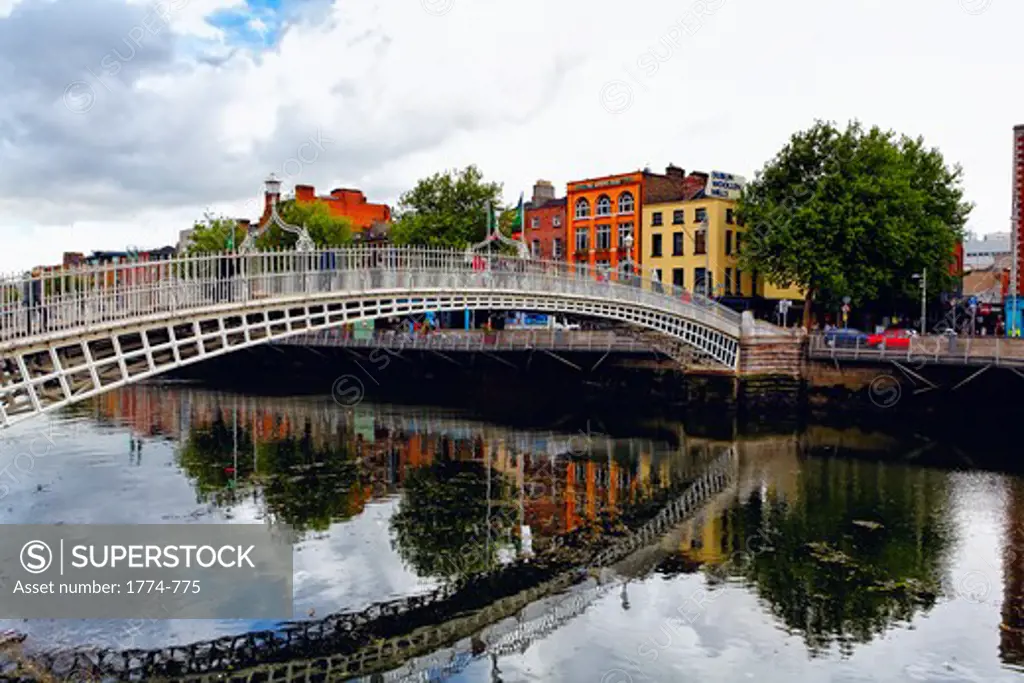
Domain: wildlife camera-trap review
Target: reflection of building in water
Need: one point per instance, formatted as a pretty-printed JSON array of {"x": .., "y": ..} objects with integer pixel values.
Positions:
[
  {"x": 768, "y": 467},
  {"x": 557, "y": 492},
  {"x": 145, "y": 410},
  {"x": 1011, "y": 642}
]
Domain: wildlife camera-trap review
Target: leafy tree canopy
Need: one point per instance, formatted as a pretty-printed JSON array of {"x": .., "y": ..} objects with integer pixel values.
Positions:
[
  {"x": 214, "y": 234},
  {"x": 447, "y": 209},
  {"x": 854, "y": 213}
]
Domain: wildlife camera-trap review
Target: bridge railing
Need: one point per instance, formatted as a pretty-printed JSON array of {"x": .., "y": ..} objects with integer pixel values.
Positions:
[
  {"x": 69, "y": 298},
  {"x": 937, "y": 349}
]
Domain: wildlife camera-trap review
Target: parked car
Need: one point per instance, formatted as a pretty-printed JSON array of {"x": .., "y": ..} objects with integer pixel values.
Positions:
[
  {"x": 892, "y": 338},
  {"x": 841, "y": 338}
]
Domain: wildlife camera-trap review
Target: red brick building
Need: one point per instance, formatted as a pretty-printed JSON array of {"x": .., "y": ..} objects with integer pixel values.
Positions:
[
  {"x": 544, "y": 218},
  {"x": 349, "y": 204},
  {"x": 603, "y": 211}
]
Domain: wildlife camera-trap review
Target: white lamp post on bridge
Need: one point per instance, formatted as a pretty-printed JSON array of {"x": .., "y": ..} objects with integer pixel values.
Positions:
[{"x": 304, "y": 243}]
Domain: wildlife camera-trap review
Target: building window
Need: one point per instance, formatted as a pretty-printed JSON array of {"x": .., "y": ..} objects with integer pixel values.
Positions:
[
  {"x": 655, "y": 245},
  {"x": 582, "y": 239},
  {"x": 582, "y": 208},
  {"x": 728, "y": 281},
  {"x": 626, "y": 203},
  {"x": 698, "y": 281},
  {"x": 535, "y": 222},
  {"x": 739, "y": 235},
  {"x": 739, "y": 281},
  {"x": 556, "y": 221},
  {"x": 700, "y": 242},
  {"x": 677, "y": 244},
  {"x": 604, "y": 236},
  {"x": 625, "y": 230},
  {"x": 701, "y": 215},
  {"x": 556, "y": 248},
  {"x": 677, "y": 217},
  {"x": 679, "y": 278},
  {"x": 604, "y": 206},
  {"x": 535, "y": 248},
  {"x": 656, "y": 218},
  {"x": 728, "y": 242},
  {"x": 730, "y": 216}
]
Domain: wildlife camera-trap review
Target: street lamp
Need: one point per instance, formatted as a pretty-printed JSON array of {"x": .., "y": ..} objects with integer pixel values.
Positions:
[
  {"x": 627, "y": 244},
  {"x": 923, "y": 277},
  {"x": 628, "y": 267},
  {"x": 304, "y": 243}
]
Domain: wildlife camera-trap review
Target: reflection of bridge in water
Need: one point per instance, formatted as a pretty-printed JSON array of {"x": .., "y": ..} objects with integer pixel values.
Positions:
[
  {"x": 341, "y": 647},
  {"x": 384, "y": 636}
]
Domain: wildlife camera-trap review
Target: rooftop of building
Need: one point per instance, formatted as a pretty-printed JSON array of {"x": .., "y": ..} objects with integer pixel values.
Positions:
[
  {"x": 547, "y": 204},
  {"x": 992, "y": 242},
  {"x": 677, "y": 195}
]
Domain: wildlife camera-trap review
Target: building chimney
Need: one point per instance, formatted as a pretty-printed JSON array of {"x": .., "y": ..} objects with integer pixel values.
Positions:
[
  {"x": 673, "y": 171},
  {"x": 543, "y": 191},
  {"x": 269, "y": 200}
]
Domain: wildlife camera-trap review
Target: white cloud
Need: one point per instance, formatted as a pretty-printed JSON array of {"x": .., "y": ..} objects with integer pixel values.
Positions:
[{"x": 524, "y": 90}]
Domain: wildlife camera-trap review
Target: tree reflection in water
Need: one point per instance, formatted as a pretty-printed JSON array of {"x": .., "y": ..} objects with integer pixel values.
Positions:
[
  {"x": 305, "y": 483},
  {"x": 451, "y": 523},
  {"x": 853, "y": 551}
]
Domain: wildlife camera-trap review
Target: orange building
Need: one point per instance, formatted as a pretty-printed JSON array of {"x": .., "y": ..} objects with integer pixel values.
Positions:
[
  {"x": 602, "y": 212},
  {"x": 345, "y": 203}
]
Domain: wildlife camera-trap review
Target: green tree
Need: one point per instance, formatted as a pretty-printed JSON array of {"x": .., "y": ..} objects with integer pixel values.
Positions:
[
  {"x": 853, "y": 213},
  {"x": 326, "y": 229},
  {"x": 215, "y": 234},
  {"x": 447, "y": 209}
]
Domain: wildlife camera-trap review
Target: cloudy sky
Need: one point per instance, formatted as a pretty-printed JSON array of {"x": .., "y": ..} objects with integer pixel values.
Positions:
[{"x": 121, "y": 122}]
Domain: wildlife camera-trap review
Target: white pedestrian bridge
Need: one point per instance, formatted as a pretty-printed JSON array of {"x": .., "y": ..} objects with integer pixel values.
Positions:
[{"x": 71, "y": 333}]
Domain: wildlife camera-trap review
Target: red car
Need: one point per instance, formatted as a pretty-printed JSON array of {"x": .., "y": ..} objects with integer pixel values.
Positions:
[{"x": 893, "y": 338}]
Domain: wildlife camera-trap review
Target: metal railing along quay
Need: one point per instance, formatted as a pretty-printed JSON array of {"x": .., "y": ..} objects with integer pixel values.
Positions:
[
  {"x": 77, "y": 298},
  {"x": 472, "y": 340},
  {"x": 931, "y": 349}
]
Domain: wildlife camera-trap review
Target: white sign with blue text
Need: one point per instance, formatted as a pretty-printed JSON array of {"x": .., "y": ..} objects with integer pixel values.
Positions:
[{"x": 724, "y": 185}]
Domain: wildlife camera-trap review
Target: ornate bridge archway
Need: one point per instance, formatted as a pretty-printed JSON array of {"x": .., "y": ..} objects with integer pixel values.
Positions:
[{"x": 73, "y": 333}]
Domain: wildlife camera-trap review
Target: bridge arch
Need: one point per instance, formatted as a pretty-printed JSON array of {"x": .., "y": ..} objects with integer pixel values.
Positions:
[{"x": 132, "y": 322}]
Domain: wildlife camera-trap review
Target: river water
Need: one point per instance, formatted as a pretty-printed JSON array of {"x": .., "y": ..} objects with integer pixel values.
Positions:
[{"x": 832, "y": 555}]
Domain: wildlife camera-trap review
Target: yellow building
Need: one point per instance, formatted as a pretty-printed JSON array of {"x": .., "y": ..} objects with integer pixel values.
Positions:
[{"x": 693, "y": 242}]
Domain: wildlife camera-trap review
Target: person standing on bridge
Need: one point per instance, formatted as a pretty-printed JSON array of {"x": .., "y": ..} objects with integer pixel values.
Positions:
[{"x": 32, "y": 297}]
